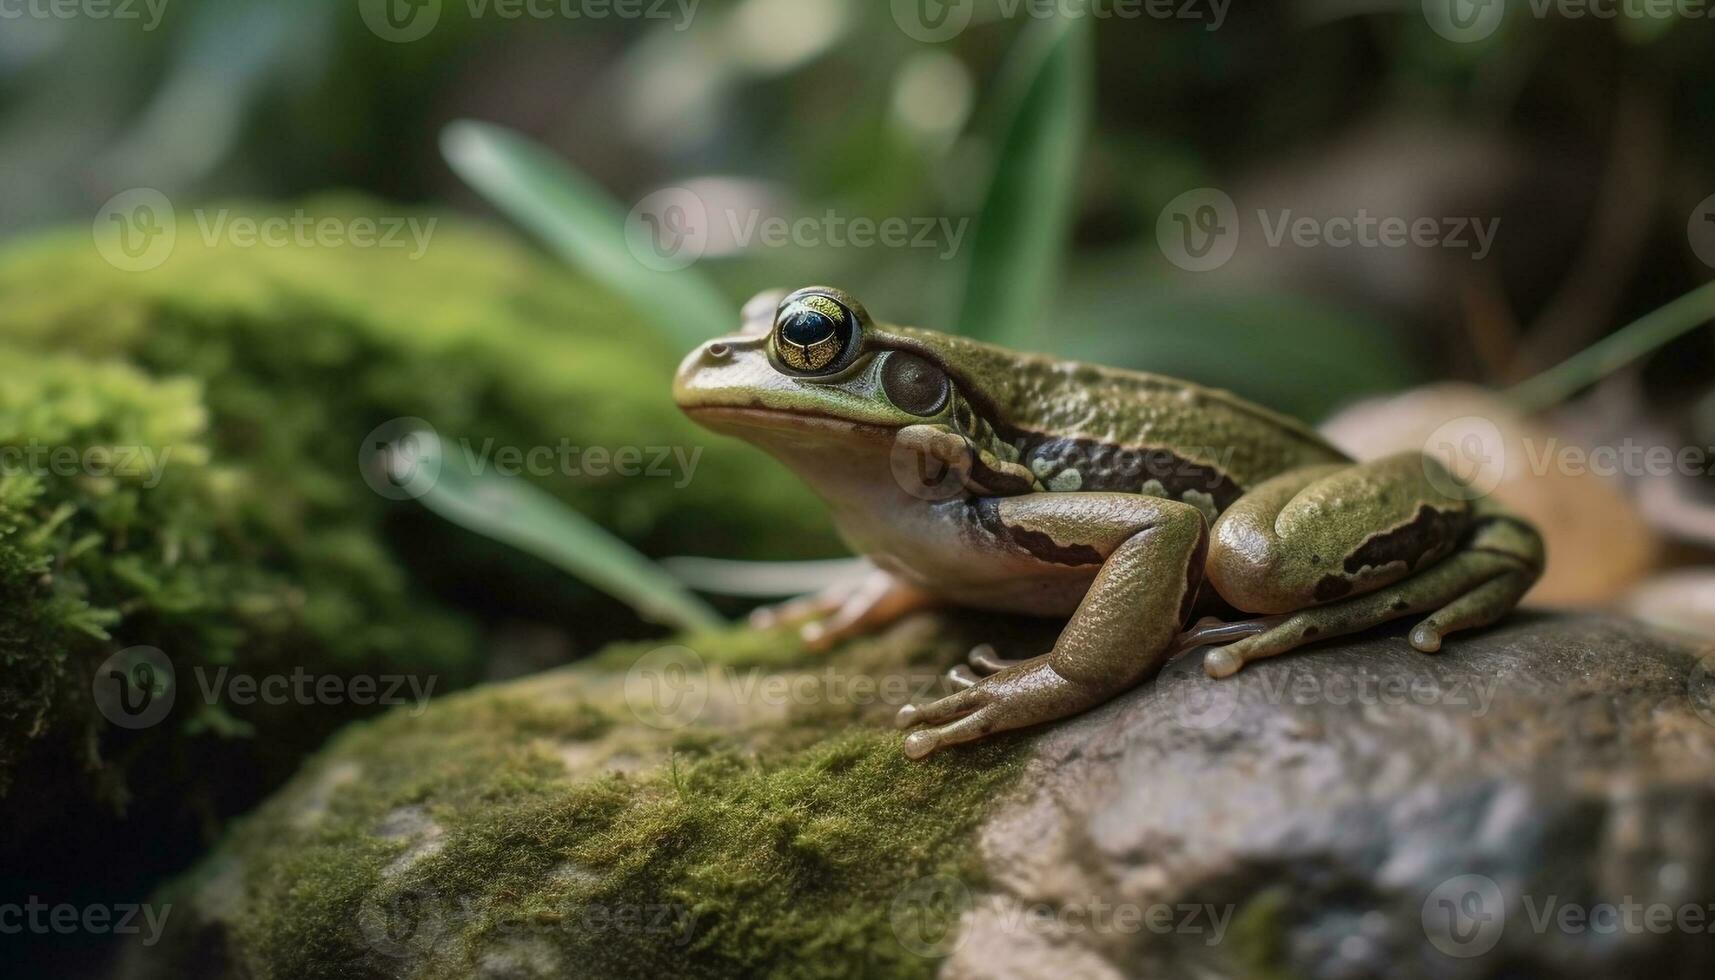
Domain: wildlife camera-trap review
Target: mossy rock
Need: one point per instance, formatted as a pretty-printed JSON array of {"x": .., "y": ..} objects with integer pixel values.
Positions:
[
  {"x": 1317, "y": 815},
  {"x": 253, "y": 375},
  {"x": 725, "y": 807},
  {"x": 121, "y": 527}
]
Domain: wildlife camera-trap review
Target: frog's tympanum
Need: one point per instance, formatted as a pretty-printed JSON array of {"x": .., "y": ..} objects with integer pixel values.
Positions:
[{"x": 1132, "y": 503}]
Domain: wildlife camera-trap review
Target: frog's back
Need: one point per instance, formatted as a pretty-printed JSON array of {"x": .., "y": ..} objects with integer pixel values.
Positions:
[{"x": 1087, "y": 427}]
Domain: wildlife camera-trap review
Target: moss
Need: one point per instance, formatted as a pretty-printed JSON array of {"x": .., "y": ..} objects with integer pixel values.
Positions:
[
  {"x": 748, "y": 843},
  {"x": 257, "y": 373},
  {"x": 119, "y": 527},
  {"x": 1259, "y": 935}
]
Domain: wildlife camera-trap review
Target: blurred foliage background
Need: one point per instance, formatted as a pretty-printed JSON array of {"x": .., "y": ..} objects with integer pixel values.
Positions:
[{"x": 1589, "y": 138}]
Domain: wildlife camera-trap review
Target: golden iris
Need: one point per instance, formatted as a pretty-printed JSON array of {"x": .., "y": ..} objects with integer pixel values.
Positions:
[{"x": 812, "y": 332}]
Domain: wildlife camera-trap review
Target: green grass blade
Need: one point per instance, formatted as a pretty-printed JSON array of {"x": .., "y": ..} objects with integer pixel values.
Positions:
[
  {"x": 1615, "y": 351},
  {"x": 512, "y": 511},
  {"x": 1020, "y": 238},
  {"x": 585, "y": 226}
]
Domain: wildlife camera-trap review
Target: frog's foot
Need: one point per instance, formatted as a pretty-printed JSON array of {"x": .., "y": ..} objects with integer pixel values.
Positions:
[
  {"x": 1475, "y": 587},
  {"x": 1016, "y": 697},
  {"x": 845, "y": 610}
]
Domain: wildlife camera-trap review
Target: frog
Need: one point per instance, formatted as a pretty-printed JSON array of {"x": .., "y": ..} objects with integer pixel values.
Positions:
[{"x": 1155, "y": 516}]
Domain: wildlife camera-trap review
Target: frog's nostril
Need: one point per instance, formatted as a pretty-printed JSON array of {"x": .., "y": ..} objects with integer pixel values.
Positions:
[{"x": 719, "y": 350}]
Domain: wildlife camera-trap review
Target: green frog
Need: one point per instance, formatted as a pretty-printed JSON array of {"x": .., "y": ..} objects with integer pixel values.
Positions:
[{"x": 1155, "y": 515}]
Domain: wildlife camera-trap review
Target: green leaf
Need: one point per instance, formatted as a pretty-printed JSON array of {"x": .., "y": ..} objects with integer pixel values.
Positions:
[
  {"x": 585, "y": 226},
  {"x": 1021, "y": 234},
  {"x": 514, "y": 512},
  {"x": 1616, "y": 350}
]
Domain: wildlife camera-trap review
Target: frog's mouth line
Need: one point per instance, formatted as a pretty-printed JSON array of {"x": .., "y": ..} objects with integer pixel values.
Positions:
[{"x": 780, "y": 420}]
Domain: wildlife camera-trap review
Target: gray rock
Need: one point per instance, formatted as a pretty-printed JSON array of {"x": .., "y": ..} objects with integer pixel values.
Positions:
[{"x": 1536, "y": 800}]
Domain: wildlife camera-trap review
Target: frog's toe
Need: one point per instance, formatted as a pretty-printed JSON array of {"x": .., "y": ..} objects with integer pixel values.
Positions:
[
  {"x": 792, "y": 611},
  {"x": 962, "y": 677},
  {"x": 946, "y": 709},
  {"x": 1222, "y": 662},
  {"x": 984, "y": 660},
  {"x": 967, "y": 729}
]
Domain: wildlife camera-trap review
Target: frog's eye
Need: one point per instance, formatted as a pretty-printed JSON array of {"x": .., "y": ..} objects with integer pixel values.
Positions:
[
  {"x": 814, "y": 332},
  {"x": 914, "y": 384}
]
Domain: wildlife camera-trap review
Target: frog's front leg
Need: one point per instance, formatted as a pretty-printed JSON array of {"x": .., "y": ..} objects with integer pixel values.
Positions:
[
  {"x": 1148, "y": 558},
  {"x": 843, "y": 611}
]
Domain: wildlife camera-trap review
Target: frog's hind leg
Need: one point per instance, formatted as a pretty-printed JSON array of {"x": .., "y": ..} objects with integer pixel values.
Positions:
[{"x": 1480, "y": 583}]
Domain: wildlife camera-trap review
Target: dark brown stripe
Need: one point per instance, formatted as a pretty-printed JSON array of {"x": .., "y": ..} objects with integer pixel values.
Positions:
[
  {"x": 1036, "y": 543},
  {"x": 1431, "y": 532}
]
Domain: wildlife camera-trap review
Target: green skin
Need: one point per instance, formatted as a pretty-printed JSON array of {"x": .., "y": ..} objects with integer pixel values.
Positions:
[{"x": 1128, "y": 502}]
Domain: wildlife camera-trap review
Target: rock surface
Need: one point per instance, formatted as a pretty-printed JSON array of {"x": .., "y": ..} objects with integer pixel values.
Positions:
[{"x": 1533, "y": 801}]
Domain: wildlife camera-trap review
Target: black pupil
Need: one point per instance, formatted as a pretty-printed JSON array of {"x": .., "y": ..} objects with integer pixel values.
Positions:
[
  {"x": 805, "y": 327},
  {"x": 913, "y": 383}
]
